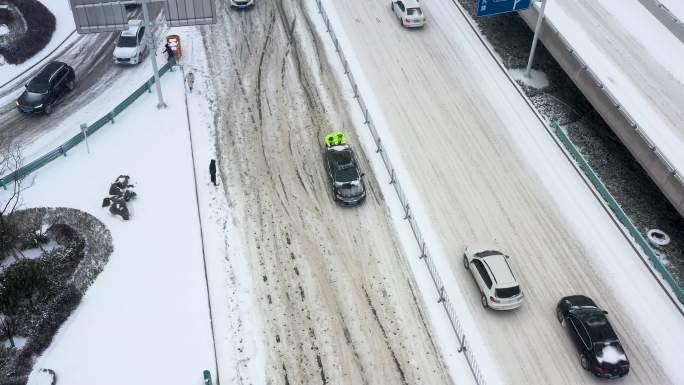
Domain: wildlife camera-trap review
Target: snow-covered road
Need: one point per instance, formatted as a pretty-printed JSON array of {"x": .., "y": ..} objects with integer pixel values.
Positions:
[
  {"x": 336, "y": 297},
  {"x": 486, "y": 170}
]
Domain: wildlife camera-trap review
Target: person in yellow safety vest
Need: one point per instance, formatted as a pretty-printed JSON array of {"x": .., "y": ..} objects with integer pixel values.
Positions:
[
  {"x": 340, "y": 138},
  {"x": 330, "y": 139}
]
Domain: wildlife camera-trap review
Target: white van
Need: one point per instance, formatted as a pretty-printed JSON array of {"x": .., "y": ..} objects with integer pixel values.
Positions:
[{"x": 132, "y": 44}]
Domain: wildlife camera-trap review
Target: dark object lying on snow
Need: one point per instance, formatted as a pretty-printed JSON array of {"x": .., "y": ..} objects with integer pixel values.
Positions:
[{"x": 119, "y": 194}]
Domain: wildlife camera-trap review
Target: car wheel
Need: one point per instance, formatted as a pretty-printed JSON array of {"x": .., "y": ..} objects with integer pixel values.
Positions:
[
  {"x": 483, "y": 299},
  {"x": 70, "y": 85},
  {"x": 48, "y": 109},
  {"x": 584, "y": 361},
  {"x": 465, "y": 262},
  {"x": 139, "y": 57},
  {"x": 561, "y": 319}
]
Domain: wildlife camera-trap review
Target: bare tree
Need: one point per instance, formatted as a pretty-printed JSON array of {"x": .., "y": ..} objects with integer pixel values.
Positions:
[{"x": 13, "y": 182}]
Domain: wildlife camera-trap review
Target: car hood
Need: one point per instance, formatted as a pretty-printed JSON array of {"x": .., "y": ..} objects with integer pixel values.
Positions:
[
  {"x": 125, "y": 52},
  {"x": 31, "y": 99}
]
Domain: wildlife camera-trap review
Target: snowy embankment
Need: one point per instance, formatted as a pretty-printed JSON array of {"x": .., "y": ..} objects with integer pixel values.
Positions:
[
  {"x": 636, "y": 58},
  {"x": 145, "y": 319},
  {"x": 65, "y": 26}
]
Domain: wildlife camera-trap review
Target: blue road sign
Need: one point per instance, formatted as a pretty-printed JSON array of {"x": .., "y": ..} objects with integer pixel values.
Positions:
[{"x": 496, "y": 7}]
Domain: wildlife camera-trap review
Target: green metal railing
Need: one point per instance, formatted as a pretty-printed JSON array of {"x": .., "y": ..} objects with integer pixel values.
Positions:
[
  {"x": 617, "y": 210},
  {"x": 78, "y": 138}
]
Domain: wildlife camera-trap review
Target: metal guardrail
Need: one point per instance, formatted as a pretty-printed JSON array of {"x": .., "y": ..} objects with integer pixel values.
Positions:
[
  {"x": 617, "y": 210},
  {"x": 408, "y": 215},
  {"x": 78, "y": 138},
  {"x": 666, "y": 17},
  {"x": 674, "y": 176}
]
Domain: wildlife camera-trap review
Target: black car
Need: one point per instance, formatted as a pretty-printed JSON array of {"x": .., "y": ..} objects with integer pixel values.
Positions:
[
  {"x": 600, "y": 350},
  {"x": 345, "y": 177},
  {"x": 43, "y": 91}
]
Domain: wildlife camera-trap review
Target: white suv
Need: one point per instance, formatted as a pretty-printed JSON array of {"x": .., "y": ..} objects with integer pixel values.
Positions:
[
  {"x": 409, "y": 13},
  {"x": 132, "y": 44},
  {"x": 490, "y": 268}
]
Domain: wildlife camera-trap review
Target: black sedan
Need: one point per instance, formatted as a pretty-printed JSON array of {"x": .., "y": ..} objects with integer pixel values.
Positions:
[
  {"x": 345, "y": 177},
  {"x": 599, "y": 348},
  {"x": 45, "y": 89}
]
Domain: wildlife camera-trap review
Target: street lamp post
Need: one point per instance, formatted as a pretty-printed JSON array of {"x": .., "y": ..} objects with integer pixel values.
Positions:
[
  {"x": 150, "y": 35},
  {"x": 535, "y": 38}
]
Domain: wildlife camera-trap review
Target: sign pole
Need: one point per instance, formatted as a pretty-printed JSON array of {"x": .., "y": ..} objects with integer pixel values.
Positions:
[
  {"x": 84, "y": 127},
  {"x": 535, "y": 38},
  {"x": 150, "y": 34}
]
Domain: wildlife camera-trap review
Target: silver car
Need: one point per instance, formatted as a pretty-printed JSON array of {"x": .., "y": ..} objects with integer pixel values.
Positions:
[{"x": 498, "y": 286}]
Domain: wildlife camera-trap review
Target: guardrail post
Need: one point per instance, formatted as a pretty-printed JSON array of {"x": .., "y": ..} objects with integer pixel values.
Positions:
[
  {"x": 379, "y": 145},
  {"x": 441, "y": 295},
  {"x": 392, "y": 180},
  {"x": 365, "y": 115},
  {"x": 356, "y": 91},
  {"x": 61, "y": 150},
  {"x": 111, "y": 117},
  {"x": 423, "y": 255},
  {"x": 346, "y": 67},
  {"x": 461, "y": 341},
  {"x": 407, "y": 210}
]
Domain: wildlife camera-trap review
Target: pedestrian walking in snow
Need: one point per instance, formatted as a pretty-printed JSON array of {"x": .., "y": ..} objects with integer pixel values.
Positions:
[
  {"x": 190, "y": 80},
  {"x": 212, "y": 171},
  {"x": 169, "y": 51}
]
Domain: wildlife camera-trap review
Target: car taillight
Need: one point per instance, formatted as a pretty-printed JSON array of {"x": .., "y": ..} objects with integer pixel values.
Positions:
[
  {"x": 493, "y": 298},
  {"x": 408, "y": 20},
  {"x": 601, "y": 370}
]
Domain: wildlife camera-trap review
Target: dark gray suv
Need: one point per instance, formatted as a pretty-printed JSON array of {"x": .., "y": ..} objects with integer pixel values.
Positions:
[{"x": 46, "y": 88}]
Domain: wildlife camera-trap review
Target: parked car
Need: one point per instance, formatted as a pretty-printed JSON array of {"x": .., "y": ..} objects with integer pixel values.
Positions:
[
  {"x": 46, "y": 88},
  {"x": 600, "y": 351},
  {"x": 241, "y": 3},
  {"x": 131, "y": 44},
  {"x": 409, "y": 13},
  {"x": 345, "y": 177},
  {"x": 498, "y": 286}
]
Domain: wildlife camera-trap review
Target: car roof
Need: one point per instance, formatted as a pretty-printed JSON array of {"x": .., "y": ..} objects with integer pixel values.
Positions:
[
  {"x": 597, "y": 325},
  {"x": 500, "y": 269},
  {"x": 43, "y": 77},
  {"x": 133, "y": 27}
]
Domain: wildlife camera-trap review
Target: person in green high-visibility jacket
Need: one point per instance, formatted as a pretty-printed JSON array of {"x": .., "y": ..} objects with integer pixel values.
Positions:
[
  {"x": 330, "y": 139},
  {"x": 340, "y": 138}
]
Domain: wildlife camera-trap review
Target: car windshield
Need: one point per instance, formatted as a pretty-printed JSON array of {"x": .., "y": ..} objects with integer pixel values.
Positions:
[
  {"x": 347, "y": 174},
  {"x": 486, "y": 253},
  {"x": 350, "y": 190},
  {"x": 36, "y": 87},
  {"x": 413, "y": 11},
  {"x": 507, "y": 292},
  {"x": 126, "y": 41}
]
